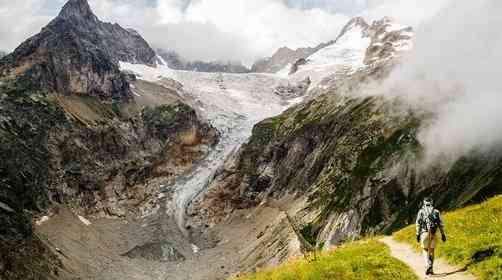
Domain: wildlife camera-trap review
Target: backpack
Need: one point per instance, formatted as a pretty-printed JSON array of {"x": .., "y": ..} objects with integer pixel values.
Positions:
[{"x": 431, "y": 219}]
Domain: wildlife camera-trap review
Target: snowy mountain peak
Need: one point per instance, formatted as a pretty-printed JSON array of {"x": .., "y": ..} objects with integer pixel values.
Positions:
[{"x": 358, "y": 46}]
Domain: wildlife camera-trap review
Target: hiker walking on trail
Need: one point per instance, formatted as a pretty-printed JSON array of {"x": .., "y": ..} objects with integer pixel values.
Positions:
[{"x": 428, "y": 222}]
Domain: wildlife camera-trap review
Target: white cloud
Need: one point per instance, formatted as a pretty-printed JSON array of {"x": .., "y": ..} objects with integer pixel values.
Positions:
[
  {"x": 19, "y": 20},
  {"x": 408, "y": 12},
  {"x": 217, "y": 29},
  {"x": 454, "y": 71}
]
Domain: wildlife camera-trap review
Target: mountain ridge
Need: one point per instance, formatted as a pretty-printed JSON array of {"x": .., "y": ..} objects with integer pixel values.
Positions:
[{"x": 73, "y": 134}]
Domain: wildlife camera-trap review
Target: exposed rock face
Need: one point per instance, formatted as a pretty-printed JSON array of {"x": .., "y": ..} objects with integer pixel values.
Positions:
[
  {"x": 284, "y": 56},
  {"x": 71, "y": 133},
  {"x": 387, "y": 40},
  {"x": 76, "y": 53},
  {"x": 157, "y": 251},
  {"x": 293, "y": 91},
  {"x": 175, "y": 61}
]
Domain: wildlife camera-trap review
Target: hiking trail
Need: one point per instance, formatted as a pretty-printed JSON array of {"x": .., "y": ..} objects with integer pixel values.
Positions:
[{"x": 414, "y": 260}]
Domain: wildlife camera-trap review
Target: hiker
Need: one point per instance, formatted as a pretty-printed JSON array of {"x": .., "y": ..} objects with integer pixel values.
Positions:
[{"x": 428, "y": 222}]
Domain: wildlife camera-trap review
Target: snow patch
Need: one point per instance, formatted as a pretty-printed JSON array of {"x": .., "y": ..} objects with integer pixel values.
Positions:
[
  {"x": 195, "y": 249},
  {"x": 393, "y": 26},
  {"x": 346, "y": 54},
  {"x": 42, "y": 220},
  {"x": 284, "y": 72},
  {"x": 84, "y": 221},
  {"x": 161, "y": 61}
]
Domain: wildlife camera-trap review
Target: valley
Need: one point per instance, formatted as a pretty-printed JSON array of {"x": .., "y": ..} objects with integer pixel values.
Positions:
[{"x": 116, "y": 166}]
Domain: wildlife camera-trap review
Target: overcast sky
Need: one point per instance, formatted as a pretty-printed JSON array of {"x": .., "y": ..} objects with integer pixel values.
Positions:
[{"x": 219, "y": 29}]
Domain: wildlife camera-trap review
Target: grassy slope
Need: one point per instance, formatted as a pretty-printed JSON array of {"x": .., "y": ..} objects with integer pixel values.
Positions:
[
  {"x": 471, "y": 231},
  {"x": 363, "y": 260}
]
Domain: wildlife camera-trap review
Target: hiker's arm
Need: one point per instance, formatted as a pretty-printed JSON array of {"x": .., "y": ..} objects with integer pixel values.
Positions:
[
  {"x": 418, "y": 225},
  {"x": 441, "y": 228}
]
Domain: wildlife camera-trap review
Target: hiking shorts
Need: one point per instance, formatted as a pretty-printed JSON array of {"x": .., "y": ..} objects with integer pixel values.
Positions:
[{"x": 427, "y": 239}]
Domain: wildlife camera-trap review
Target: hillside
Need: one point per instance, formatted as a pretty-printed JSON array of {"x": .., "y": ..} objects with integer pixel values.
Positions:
[
  {"x": 72, "y": 134},
  {"x": 345, "y": 165},
  {"x": 474, "y": 243},
  {"x": 362, "y": 260},
  {"x": 474, "y": 239}
]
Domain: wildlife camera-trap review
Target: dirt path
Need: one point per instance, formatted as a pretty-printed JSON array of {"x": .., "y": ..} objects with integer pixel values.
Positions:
[{"x": 414, "y": 260}]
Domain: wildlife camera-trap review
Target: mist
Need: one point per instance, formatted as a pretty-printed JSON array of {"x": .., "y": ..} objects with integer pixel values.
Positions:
[{"x": 454, "y": 72}]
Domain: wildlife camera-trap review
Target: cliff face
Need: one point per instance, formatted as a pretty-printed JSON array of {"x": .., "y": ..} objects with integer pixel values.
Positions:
[
  {"x": 72, "y": 134},
  {"x": 76, "y": 53}
]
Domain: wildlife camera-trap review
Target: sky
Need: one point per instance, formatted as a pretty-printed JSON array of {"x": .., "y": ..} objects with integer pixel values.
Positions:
[{"x": 238, "y": 30}]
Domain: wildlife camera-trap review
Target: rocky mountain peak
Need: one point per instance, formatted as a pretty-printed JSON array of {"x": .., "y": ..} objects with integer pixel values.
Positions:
[
  {"x": 357, "y": 22},
  {"x": 77, "y": 9},
  {"x": 76, "y": 53}
]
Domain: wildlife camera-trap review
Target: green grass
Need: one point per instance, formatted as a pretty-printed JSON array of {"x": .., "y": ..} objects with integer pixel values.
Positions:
[
  {"x": 363, "y": 260},
  {"x": 470, "y": 231}
]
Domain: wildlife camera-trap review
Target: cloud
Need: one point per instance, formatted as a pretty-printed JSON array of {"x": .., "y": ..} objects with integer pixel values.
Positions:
[
  {"x": 349, "y": 7},
  {"x": 217, "y": 29},
  {"x": 408, "y": 12},
  {"x": 225, "y": 29},
  {"x": 13, "y": 30},
  {"x": 454, "y": 72}
]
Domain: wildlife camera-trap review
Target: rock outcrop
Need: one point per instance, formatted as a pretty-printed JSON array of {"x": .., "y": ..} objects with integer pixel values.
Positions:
[
  {"x": 76, "y": 53},
  {"x": 72, "y": 134}
]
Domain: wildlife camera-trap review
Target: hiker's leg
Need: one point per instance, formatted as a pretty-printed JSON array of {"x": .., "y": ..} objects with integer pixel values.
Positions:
[
  {"x": 431, "y": 251},
  {"x": 431, "y": 254},
  {"x": 426, "y": 259}
]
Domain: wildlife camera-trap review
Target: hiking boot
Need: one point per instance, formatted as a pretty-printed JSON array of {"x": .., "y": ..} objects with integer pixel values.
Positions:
[{"x": 429, "y": 271}]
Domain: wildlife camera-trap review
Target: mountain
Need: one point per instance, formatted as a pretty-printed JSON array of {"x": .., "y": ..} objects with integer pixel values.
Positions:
[
  {"x": 282, "y": 57},
  {"x": 77, "y": 132},
  {"x": 174, "y": 61},
  {"x": 77, "y": 53},
  {"x": 359, "y": 45},
  {"x": 343, "y": 164},
  {"x": 2, "y": 54}
]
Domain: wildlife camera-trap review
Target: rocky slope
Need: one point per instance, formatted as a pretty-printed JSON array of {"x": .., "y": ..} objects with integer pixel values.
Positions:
[
  {"x": 72, "y": 133},
  {"x": 174, "y": 61}
]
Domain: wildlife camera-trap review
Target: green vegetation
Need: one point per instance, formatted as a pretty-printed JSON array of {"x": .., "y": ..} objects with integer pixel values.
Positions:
[
  {"x": 363, "y": 260},
  {"x": 474, "y": 238},
  {"x": 165, "y": 120}
]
